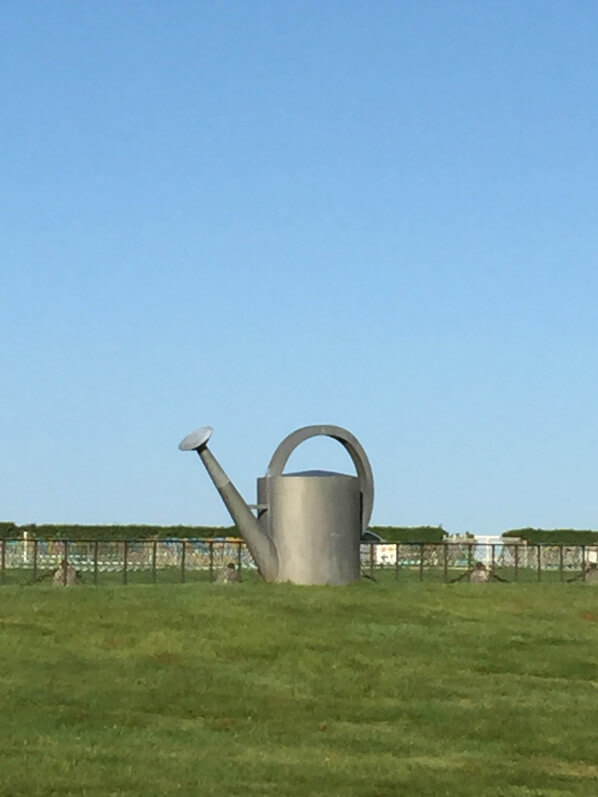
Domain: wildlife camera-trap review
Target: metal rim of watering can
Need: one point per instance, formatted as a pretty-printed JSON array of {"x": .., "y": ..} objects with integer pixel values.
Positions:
[
  {"x": 352, "y": 446},
  {"x": 196, "y": 439}
]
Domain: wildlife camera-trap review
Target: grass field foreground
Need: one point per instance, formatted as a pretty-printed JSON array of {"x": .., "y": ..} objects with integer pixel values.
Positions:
[{"x": 373, "y": 689}]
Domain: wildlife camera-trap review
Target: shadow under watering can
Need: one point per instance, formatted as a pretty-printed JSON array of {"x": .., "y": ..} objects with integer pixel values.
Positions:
[{"x": 309, "y": 524}]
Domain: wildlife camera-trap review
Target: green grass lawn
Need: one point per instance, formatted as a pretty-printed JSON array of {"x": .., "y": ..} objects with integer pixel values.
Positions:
[{"x": 374, "y": 689}]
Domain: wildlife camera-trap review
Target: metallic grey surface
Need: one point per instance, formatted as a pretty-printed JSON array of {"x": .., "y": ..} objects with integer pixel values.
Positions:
[
  {"x": 310, "y": 523},
  {"x": 259, "y": 544},
  {"x": 351, "y": 444},
  {"x": 196, "y": 439},
  {"x": 315, "y": 524}
]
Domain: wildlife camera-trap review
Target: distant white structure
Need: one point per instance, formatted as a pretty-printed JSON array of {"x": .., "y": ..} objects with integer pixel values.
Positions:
[{"x": 483, "y": 550}]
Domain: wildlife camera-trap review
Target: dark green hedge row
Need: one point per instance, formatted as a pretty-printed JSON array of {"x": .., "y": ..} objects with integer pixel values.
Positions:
[
  {"x": 410, "y": 534},
  {"x": 554, "y": 536},
  {"x": 7, "y": 529},
  {"x": 58, "y": 531},
  {"x": 426, "y": 534}
]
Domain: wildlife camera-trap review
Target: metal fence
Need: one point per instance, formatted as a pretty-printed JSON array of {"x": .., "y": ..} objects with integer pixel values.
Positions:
[
  {"x": 124, "y": 561},
  {"x": 177, "y": 560},
  {"x": 457, "y": 561}
]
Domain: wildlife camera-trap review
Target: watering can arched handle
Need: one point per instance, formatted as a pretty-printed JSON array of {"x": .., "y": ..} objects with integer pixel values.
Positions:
[{"x": 350, "y": 443}]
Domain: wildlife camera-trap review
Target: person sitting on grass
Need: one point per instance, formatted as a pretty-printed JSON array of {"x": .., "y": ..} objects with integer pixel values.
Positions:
[
  {"x": 480, "y": 574},
  {"x": 65, "y": 575},
  {"x": 228, "y": 574}
]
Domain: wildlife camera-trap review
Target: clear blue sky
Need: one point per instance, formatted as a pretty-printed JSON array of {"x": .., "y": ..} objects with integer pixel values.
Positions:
[{"x": 261, "y": 215}]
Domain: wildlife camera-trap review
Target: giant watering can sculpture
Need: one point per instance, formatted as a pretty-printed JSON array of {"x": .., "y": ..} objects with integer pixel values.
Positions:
[{"x": 308, "y": 524}]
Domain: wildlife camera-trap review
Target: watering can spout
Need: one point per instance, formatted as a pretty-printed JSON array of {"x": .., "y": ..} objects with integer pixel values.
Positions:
[{"x": 259, "y": 544}]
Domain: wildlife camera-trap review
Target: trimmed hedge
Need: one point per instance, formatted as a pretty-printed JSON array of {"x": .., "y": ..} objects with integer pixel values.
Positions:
[
  {"x": 8, "y": 529},
  {"x": 410, "y": 534},
  {"x": 554, "y": 536},
  {"x": 59, "y": 531},
  {"x": 422, "y": 534}
]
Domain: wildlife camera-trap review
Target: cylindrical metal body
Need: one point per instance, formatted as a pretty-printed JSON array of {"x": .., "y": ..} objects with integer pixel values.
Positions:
[{"x": 314, "y": 521}]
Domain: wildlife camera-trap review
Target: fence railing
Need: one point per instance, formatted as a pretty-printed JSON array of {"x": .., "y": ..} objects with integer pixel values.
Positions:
[
  {"x": 457, "y": 561},
  {"x": 35, "y": 561},
  {"x": 178, "y": 560}
]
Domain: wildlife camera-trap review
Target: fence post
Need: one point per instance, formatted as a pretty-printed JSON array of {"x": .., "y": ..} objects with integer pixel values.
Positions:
[
  {"x": 371, "y": 560},
  {"x": 421, "y": 561},
  {"x": 183, "y": 550},
  {"x": 154, "y": 556},
  {"x": 65, "y": 544},
  {"x": 445, "y": 562},
  {"x": 539, "y": 563},
  {"x": 583, "y": 562},
  {"x": 469, "y": 556},
  {"x": 516, "y": 562},
  {"x": 125, "y": 557},
  {"x": 95, "y": 562},
  {"x": 561, "y": 562},
  {"x": 493, "y": 557},
  {"x": 239, "y": 558},
  {"x": 34, "y": 559},
  {"x": 3, "y": 561},
  {"x": 211, "y": 544},
  {"x": 396, "y": 561}
]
